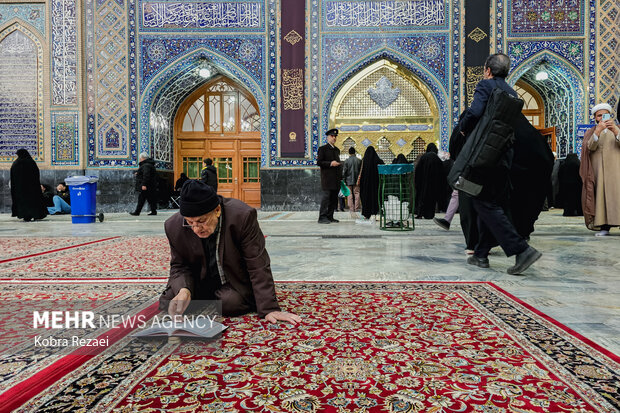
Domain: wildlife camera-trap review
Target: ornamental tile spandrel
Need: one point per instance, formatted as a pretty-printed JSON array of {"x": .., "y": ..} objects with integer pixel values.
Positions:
[
  {"x": 293, "y": 89},
  {"x": 293, "y": 37}
]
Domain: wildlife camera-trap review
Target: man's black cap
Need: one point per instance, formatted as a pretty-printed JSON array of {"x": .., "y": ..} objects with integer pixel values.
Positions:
[
  {"x": 333, "y": 132},
  {"x": 197, "y": 198}
]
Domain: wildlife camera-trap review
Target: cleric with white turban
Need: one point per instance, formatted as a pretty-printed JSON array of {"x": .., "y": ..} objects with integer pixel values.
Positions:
[{"x": 600, "y": 172}]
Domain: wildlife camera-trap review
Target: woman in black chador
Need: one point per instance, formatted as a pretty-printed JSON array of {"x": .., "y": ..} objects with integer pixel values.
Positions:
[
  {"x": 570, "y": 186},
  {"x": 26, "y": 191},
  {"x": 369, "y": 182},
  {"x": 430, "y": 185}
]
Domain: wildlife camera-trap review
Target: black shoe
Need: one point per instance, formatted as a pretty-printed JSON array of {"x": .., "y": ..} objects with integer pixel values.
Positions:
[
  {"x": 152, "y": 213},
  {"x": 524, "y": 260},
  {"x": 442, "y": 223},
  {"x": 480, "y": 262},
  {"x": 324, "y": 221},
  {"x": 333, "y": 220},
  {"x": 135, "y": 214}
]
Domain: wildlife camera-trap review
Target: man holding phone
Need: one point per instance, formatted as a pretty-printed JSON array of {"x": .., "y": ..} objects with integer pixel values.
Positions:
[{"x": 600, "y": 172}]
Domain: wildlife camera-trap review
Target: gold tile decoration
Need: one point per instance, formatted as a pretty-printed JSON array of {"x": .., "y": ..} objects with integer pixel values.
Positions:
[
  {"x": 292, "y": 137},
  {"x": 392, "y": 128},
  {"x": 608, "y": 49},
  {"x": 385, "y": 143},
  {"x": 293, "y": 89},
  {"x": 477, "y": 34},
  {"x": 292, "y": 37},
  {"x": 473, "y": 75}
]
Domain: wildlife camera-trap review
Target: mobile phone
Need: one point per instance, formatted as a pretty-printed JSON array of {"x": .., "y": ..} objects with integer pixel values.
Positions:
[{"x": 606, "y": 116}]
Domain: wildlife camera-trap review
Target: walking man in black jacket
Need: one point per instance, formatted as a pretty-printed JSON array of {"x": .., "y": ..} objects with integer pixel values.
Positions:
[
  {"x": 146, "y": 184},
  {"x": 493, "y": 224},
  {"x": 328, "y": 159}
]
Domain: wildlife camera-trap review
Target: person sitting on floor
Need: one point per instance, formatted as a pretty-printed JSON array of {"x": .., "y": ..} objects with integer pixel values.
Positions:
[
  {"x": 218, "y": 253},
  {"x": 61, "y": 201}
]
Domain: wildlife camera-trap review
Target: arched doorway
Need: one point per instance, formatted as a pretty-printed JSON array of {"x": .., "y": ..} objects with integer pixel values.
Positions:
[
  {"x": 534, "y": 111},
  {"x": 562, "y": 91},
  {"x": 387, "y": 106},
  {"x": 220, "y": 120}
]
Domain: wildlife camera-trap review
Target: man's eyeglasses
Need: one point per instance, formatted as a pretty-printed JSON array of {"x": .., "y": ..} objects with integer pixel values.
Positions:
[{"x": 201, "y": 223}]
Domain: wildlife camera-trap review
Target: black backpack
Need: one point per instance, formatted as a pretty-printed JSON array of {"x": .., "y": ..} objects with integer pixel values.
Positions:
[{"x": 487, "y": 143}]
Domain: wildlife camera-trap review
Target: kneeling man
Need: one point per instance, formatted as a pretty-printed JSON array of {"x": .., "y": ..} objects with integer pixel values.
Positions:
[{"x": 218, "y": 253}]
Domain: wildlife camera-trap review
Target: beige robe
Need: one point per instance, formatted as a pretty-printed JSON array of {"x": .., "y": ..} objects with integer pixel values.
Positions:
[{"x": 605, "y": 160}]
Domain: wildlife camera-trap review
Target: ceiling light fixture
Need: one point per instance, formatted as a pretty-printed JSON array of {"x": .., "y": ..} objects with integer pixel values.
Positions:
[
  {"x": 204, "y": 72},
  {"x": 542, "y": 75}
]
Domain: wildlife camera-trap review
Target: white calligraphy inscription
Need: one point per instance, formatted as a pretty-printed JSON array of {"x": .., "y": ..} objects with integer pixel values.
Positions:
[
  {"x": 385, "y": 13},
  {"x": 201, "y": 15}
]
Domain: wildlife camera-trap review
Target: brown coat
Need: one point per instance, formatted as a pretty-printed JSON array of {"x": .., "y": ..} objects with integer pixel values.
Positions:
[
  {"x": 241, "y": 252},
  {"x": 600, "y": 173}
]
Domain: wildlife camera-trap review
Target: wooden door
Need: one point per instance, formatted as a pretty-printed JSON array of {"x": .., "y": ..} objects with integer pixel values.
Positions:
[
  {"x": 237, "y": 161},
  {"x": 238, "y": 168},
  {"x": 549, "y": 135},
  {"x": 221, "y": 122}
]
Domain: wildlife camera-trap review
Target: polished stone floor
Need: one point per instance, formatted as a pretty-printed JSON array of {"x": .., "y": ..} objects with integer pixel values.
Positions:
[{"x": 577, "y": 281}]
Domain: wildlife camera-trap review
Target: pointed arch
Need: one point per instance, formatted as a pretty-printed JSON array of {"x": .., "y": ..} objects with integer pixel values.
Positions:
[
  {"x": 564, "y": 67},
  {"x": 18, "y": 32},
  {"x": 184, "y": 70},
  {"x": 565, "y": 88},
  {"x": 408, "y": 64}
]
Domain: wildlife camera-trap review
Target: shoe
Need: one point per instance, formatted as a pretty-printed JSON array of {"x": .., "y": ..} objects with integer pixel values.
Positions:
[
  {"x": 152, "y": 213},
  {"x": 524, "y": 260},
  {"x": 334, "y": 220},
  {"x": 324, "y": 221},
  {"x": 469, "y": 252},
  {"x": 602, "y": 233},
  {"x": 480, "y": 262},
  {"x": 135, "y": 214},
  {"x": 442, "y": 223}
]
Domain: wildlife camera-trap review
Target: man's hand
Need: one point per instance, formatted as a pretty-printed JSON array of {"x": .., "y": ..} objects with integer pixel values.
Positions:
[
  {"x": 600, "y": 128},
  {"x": 276, "y": 316},
  {"x": 611, "y": 125},
  {"x": 143, "y": 187},
  {"x": 334, "y": 163},
  {"x": 179, "y": 303}
]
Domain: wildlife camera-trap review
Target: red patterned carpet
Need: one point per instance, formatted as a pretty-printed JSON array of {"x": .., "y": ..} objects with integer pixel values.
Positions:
[
  {"x": 121, "y": 257},
  {"x": 13, "y": 248},
  {"x": 363, "y": 347}
]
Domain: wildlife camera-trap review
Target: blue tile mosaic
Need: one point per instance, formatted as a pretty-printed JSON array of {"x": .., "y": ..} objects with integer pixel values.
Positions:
[
  {"x": 33, "y": 14},
  {"x": 64, "y": 52},
  {"x": 438, "y": 89},
  {"x": 111, "y": 110},
  {"x": 65, "y": 138},
  {"x": 563, "y": 94},
  {"x": 201, "y": 16},
  {"x": 571, "y": 50},
  {"x": 387, "y": 14},
  {"x": 157, "y": 51},
  {"x": 21, "y": 93},
  {"x": 160, "y": 85},
  {"x": 428, "y": 51},
  {"x": 545, "y": 18}
]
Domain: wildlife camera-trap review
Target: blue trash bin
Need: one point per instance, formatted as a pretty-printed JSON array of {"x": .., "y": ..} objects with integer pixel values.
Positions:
[{"x": 83, "y": 193}]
